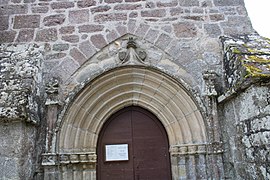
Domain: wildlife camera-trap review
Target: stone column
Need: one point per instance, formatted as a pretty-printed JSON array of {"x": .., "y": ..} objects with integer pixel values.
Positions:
[
  {"x": 50, "y": 158},
  {"x": 214, "y": 149},
  {"x": 191, "y": 162},
  {"x": 52, "y": 104}
]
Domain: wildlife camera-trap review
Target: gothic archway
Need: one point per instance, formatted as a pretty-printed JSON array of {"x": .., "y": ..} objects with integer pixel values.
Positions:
[
  {"x": 99, "y": 93},
  {"x": 139, "y": 86},
  {"x": 127, "y": 86}
]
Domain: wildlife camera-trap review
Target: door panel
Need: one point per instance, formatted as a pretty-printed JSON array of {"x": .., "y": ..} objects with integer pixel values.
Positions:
[
  {"x": 117, "y": 131},
  {"x": 151, "y": 153},
  {"x": 148, "y": 147}
]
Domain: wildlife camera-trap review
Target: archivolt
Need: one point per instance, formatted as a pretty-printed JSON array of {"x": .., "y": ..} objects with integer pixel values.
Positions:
[{"x": 127, "y": 86}]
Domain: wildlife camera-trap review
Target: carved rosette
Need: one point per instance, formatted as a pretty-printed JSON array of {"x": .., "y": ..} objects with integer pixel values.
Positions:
[{"x": 132, "y": 54}]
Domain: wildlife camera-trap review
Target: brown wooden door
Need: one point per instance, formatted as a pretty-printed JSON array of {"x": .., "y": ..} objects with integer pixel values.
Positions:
[{"x": 148, "y": 154}]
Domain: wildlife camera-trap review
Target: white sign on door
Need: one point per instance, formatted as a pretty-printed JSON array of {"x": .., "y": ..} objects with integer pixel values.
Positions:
[{"x": 116, "y": 152}]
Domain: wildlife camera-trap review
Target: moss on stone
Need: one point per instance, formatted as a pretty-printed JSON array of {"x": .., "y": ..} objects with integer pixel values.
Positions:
[
  {"x": 253, "y": 71},
  {"x": 256, "y": 51},
  {"x": 258, "y": 59},
  {"x": 253, "y": 51},
  {"x": 236, "y": 51},
  {"x": 253, "y": 56}
]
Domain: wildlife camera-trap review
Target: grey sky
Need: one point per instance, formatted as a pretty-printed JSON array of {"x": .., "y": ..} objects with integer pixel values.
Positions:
[{"x": 259, "y": 14}]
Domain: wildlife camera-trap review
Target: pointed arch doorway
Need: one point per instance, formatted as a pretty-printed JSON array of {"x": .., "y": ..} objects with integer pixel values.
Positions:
[
  {"x": 96, "y": 91},
  {"x": 126, "y": 86},
  {"x": 133, "y": 145}
]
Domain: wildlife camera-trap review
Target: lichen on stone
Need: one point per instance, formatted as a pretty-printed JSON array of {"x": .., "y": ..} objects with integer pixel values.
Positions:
[
  {"x": 19, "y": 80},
  {"x": 246, "y": 59},
  {"x": 256, "y": 66}
]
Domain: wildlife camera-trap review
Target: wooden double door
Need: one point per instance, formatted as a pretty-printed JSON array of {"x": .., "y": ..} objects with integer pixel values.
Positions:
[{"x": 133, "y": 145}]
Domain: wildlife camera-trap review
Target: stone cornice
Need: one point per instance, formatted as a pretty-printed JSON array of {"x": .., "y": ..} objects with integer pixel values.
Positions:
[
  {"x": 192, "y": 149},
  {"x": 51, "y": 159}
]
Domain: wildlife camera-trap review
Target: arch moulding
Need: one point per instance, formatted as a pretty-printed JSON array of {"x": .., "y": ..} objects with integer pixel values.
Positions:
[
  {"x": 124, "y": 87},
  {"x": 129, "y": 71}
]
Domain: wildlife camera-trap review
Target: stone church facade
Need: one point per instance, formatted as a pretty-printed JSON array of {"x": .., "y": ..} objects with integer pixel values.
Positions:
[{"x": 67, "y": 67}]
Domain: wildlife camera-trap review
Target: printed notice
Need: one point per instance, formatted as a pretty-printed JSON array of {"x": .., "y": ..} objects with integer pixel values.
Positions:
[{"x": 116, "y": 152}]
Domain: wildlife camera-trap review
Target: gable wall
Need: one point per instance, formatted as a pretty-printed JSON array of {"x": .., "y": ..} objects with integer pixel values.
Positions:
[{"x": 71, "y": 32}]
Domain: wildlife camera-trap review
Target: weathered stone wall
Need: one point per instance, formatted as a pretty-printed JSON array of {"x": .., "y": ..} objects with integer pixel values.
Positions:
[
  {"x": 20, "y": 81},
  {"x": 246, "y": 134},
  {"x": 75, "y": 30},
  {"x": 245, "y": 107},
  {"x": 20, "y": 108},
  {"x": 17, "y": 159}
]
